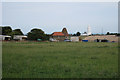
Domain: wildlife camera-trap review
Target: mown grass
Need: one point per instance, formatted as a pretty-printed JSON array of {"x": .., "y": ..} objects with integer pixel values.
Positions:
[{"x": 60, "y": 60}]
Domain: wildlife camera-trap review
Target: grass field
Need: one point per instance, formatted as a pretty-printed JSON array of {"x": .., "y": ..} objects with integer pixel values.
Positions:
[{"x": 60, "y": 60}]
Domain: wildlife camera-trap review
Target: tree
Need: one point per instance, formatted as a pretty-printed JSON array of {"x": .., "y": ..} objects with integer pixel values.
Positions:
[
  {"x": 47, "y": 36},
  {"x": 17, "y": 32},
  {"x": 0, "y": 30},
  {"x": 85, "y": 32},
  {"x": 35, "y": 34},
  {"x": 108, "y": 33},
  {"x": 7, "y": 30},
  {"x": 64, "y": 31},
  {"x": 78, "y": 34},
  {"x": 74, "y": 35}
]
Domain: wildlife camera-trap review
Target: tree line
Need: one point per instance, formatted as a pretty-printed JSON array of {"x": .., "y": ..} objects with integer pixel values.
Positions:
[
  {"x": 117, "y": 34},
  {"x": 34, "y": 34}
]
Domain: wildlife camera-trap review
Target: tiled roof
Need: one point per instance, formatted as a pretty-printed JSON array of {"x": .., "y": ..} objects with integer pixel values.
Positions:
[{"x": 58, "y": 34}]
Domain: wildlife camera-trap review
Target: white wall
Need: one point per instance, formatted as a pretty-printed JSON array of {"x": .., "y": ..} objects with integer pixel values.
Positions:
[{"x": 74, "y": 38}]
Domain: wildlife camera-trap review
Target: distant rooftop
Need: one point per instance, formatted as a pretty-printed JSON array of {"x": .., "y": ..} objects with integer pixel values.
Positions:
[{"x": 58, "y": 34}]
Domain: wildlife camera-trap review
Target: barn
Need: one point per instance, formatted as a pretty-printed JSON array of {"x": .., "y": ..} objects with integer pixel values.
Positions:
[{"x": 59, "y": 36}]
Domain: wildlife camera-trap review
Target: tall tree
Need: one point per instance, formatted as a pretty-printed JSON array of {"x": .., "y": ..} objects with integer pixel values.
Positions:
[
  {"x": 64, "y": 31},
  {"x": 35, "y": 34}
]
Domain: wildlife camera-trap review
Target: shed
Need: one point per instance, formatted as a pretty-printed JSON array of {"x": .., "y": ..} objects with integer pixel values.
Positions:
[
  {"x": 5, "y": 37},
  {"x": 75, "y": 38},
  {"x": 20, "y": 37}
]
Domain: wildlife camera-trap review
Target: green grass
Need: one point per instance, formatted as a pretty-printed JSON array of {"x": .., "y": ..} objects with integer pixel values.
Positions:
[{"x": 60, "y": 60}]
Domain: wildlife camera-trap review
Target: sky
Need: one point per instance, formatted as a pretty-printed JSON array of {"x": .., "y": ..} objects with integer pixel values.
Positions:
[
  {"x": 60, "y": 0},
  {"x": 54, "y": 16}
]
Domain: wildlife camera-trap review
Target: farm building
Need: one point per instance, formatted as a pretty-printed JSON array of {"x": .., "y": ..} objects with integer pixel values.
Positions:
[
  {"x": 75, "y": 38},
  {"x": 5, "y": 37},
  {"x": 60, "y": 36},
  {"x": 53, "y": 40},
  {"x": 20, "y": 37},
  {"x": 101, "y": 38}
]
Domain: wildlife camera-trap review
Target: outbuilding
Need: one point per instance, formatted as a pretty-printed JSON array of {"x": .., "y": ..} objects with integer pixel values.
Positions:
[
  {"x": 20, "y": 37},
  {"x": 75, "y": 38},
  {"x": 102, "y": 38},
  {"x": 5, "y": 37}
]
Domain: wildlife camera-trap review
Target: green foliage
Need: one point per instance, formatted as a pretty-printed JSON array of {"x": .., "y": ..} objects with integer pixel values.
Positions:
[
  {"x": 0, "y": 30},
  {"x": 35, "y": 34},
  {"x": 59, "y": 60},
  {"x": 117, "y": 34},
  {"x": 77, "y": 34},
  {"x": 17, "y": 32},
  {"x": 7, "y": 30},
  {"x": 74, "y": 35},
  {"x": 108, "y": 33},
  {"x": 47, "y": 36}
]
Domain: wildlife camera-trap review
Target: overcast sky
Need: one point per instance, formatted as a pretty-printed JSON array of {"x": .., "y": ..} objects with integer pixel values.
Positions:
[{"x": 53, "y": 16}]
